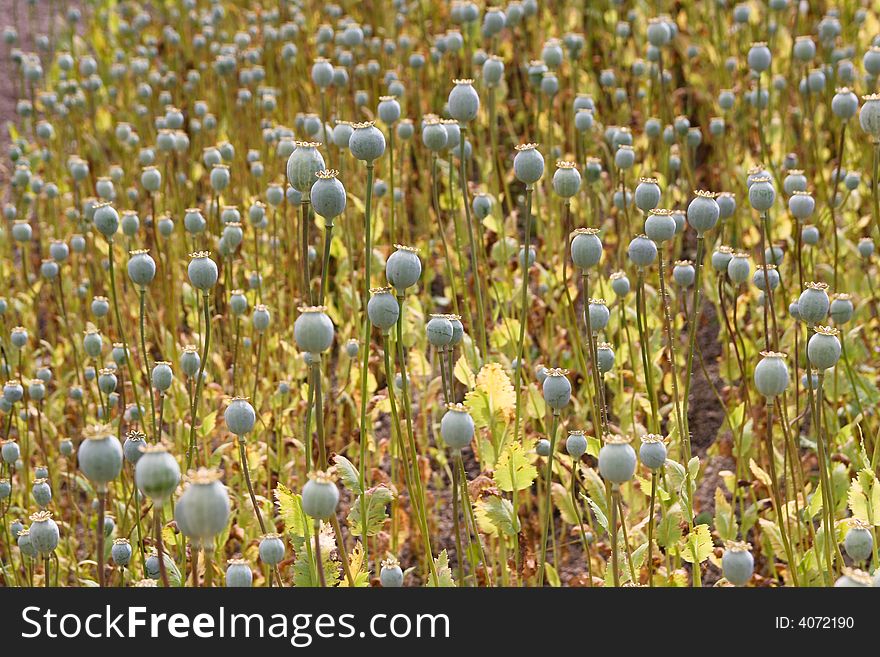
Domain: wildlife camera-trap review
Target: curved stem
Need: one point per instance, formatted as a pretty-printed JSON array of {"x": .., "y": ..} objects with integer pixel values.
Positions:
[{"x": 242, "y": 457}]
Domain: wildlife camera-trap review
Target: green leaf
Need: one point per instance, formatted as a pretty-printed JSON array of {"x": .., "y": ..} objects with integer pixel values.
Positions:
[
  {"x": 377, "y": 499},
  {"x": 290, "y": 510},
  {"x": 771, "y": 533},
  {"x": 669, "y": 529},
  {"x": 356, "y": 566},
  {"x": 463, "y": 373},
  {"x": 595, "y": 489},
  {"x": 760, "y": 474},
  {"x": 697, "y": 547},
  {"x": 694, "y": 467},
  {"x": 563, "y": 502},
  {"x": 348, "y": 474},
  {"x": 514, "y": 457},
  {"x": 639, "y": 556},
  {"x": 675, "y": 475},
  {"x": 815, "y": 504},
  {"x": 552, "y": 576},
  {"x": 863, "y": 497},
  {"x": 207, "y": 425},
  {"x": 599, "y": 513},
  {"x": 494, "y": 514},
  {"x": 304, "y": 573},
  {"x": 725, "y": 519},
  {"x": 748, "y": 519},
  {"x": 444, "y": 572}
]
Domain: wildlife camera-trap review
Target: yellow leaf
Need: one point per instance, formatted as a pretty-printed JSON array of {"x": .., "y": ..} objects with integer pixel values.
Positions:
[
  {"x": 494, "y": 393},
  {"x": 463, "y": 372},
  {"x": 515, "y": 457},
  {"x": 760, "y": 474},
  {"x": 696, "y": 547}
]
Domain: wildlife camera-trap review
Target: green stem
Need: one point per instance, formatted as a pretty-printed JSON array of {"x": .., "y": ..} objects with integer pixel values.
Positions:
[
  {"x": 368, "y": 259},
  {"x": 523, "y": 315},
  {"x": 548, "y": 501},
  {"x": 195, "y": 405},
  {"x": 478, "y": 285}
]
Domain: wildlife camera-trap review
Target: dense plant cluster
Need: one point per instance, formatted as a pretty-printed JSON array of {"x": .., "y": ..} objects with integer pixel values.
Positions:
[{"x": 428, "y": 293}]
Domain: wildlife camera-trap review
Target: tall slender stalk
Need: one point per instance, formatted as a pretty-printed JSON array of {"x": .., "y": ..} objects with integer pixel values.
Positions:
[
  {"x": 523, "y": 314},
  {"x": 365, "y": 366},
  {"x": 191, "y": 448},
  {"x": 478, "y": 285},
  {"x": 548, "y": 501}
]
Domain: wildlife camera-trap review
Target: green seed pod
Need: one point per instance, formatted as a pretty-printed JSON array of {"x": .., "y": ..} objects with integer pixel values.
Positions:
[
  {"x": 271, "y": 549},
  {"x": 771, "y": 374},
  {"x": 557, "y": 389},
  {"x": 858, "y": 541},
  {"x": 92, "y": 342},
  {"x": 586, "y": 248},
  {"x": 647, "y": 195},
  {"x": 659, "y": 226},
  {"x": 567, "y": 179},
  {"x": 367, "y": 143},
  {"x": 457, "y": 426},
  {"x": 313, "y": 329},
  {"x": 463, "y": 101},
  {"x": 528, "y": 164},
  {"x": 652, "y": 451},
  {"x": 576, "y": 444},
  {"x": 202, "y": 271},
  {"x": 721, "y": 258},
  {"x": 434, "y": 135},
  {"x": 44, "y": 533},
  {"x": 439, "y": 331},
  {"x": 320, "y": 496},
  {"x": 642, "y": 251},
  {"x": 391, "y": 575},
  {"x": 403, "y": 268},
  {"x": 813, "y": 303},
  {"x": 238, "y": 574},
  {"x": 106, "y": 219},
  {"x": 382, "y": 308},
  {"x": 737, "y": 563},
  {"x": 202, "y": 510},
  {"x": 703, "y": 211},
  {"x": 190, "y": 361},
  {"x": 824, "y": 348},
  {"x": 841, "y": 308},
  {"x": 133, "y": 447},
  {"x": 739, "y": 268},
  {"x": 162, "y": 376},
  {"x": 617, "y": 459},
  {"x": 328, "y": 194},
  {"x": 121, "y": 552},
  {"x": 100, "y": 456},
  {"x": 762, "y": 195},
  {"x": 604, "y": 357},
  {"x": 240, "y": 416},
  {"x": 303, "y": 165},
  {"x": 157, "y": 473}
]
